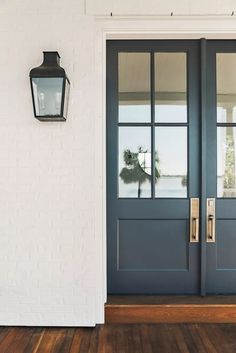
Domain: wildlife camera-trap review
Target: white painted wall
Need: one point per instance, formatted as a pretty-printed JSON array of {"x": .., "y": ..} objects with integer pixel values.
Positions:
[
  {"x": 52, "y": 175},
  {"x": 49, "y": 274}
]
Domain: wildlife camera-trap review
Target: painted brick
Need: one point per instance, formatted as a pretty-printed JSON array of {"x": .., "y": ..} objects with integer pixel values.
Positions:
[{"x": 47, "y": 171}]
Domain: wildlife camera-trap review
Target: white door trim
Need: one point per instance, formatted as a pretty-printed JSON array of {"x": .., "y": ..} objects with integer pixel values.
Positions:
[{"x": 117, "y": 27}]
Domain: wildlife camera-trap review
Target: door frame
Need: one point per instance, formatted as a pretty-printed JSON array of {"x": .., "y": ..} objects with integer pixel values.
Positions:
[{"x": 136, "y": 27}]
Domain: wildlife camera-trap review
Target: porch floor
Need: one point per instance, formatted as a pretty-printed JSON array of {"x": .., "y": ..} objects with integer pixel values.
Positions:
[{"x": 176, "y": 338}]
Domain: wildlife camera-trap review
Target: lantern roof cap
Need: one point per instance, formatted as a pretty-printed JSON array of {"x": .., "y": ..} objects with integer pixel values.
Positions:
[{"x": 50, "y": 66}]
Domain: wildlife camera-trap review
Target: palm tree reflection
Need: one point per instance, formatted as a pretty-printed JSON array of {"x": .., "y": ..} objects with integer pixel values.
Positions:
[{"x": 138, "y": 168}]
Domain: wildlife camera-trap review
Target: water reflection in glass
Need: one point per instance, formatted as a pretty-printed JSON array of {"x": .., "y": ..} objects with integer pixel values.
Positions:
[
  {"x": 170, "y": 87},
  {"x": 134, "y": 162},
  {"x": 226, "y": 165},
  {"x": 134, "y": 87},
  {"x": 171, "y": 161}
]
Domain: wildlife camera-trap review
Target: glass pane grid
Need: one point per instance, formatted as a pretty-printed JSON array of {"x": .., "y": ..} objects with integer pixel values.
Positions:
[{"x": 138, "y": 161}]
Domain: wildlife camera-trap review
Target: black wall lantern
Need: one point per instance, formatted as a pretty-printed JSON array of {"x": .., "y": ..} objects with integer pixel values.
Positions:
[{"x": 50, "y": 89}]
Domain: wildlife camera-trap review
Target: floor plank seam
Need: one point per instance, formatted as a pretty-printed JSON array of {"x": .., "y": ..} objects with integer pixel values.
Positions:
[{"x": 39, "y": 341}]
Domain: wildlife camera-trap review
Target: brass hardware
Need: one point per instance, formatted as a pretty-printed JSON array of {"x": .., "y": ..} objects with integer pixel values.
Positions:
[
  {"x": 211, "y": 237},
  {"x": 194, "y": 220}
]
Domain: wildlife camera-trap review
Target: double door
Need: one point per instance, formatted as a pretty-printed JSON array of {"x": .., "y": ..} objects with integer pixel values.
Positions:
[{"x": 171, "y": 167}]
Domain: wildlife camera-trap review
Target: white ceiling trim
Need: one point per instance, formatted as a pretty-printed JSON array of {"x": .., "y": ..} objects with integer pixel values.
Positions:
[
  {"x": 167, "y": 27},
  {"x": 160, "y": 7}
]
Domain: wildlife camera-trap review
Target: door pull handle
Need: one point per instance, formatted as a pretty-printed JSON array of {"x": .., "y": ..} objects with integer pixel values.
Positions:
[
  {"x": 194, "y": 220},
  {"x": 211, "y": 224},
  {"x": 210, "y": 220},
  {"x": 195, "y": 227}
]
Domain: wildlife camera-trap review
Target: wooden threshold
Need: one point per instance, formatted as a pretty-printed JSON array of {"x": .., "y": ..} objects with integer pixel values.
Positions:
[{"x": 166, "y": 309}]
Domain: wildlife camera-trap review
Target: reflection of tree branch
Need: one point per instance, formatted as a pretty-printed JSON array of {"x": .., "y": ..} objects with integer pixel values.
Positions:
[
  {"x": 133, "y": 172},
  {"x": 184, "y": 180}
]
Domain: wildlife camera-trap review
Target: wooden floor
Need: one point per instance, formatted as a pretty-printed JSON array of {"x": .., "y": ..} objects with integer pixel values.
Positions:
[{"x": 161, "y": 338}]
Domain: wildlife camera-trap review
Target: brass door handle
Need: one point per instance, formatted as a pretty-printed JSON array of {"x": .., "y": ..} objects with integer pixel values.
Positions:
[
  {"x": 195, "y": 227},
  {"x": 211, "y": 225},
  {"x": 194, "y": 220},
  {"x": 211, "y": 220}
]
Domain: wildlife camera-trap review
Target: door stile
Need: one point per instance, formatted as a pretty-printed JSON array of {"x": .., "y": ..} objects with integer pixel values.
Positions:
[
  {"x": 152, "y": 69},
  {"x": 203, "y": 110}
]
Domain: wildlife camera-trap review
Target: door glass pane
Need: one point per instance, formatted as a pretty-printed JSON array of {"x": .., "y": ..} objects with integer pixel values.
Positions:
[
  {"x": 134, "y": 162},
  {"x": 171, "y": 161},
  {"x": 226, "y": 165},
  {"x": 226, "y": 87},
  {"x": 134, "y": 87},
  {"x": 170, "y": 87}
]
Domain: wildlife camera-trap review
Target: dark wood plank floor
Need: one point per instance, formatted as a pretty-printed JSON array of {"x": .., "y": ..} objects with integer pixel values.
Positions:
[{"x": 161, "y": 338}]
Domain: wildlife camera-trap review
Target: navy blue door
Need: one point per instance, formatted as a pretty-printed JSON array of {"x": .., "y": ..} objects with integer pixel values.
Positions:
[
  {"x": 221, "y": 166},
  {"x": 153, "y": 166}
]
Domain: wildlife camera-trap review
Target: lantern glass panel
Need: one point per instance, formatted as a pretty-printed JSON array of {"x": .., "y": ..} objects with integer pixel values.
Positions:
[
  {"x": 47, "y": 95},
  {"x": 66, "y": 101}
]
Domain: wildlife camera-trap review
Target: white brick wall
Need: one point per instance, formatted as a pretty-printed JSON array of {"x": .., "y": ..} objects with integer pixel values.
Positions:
[
  {"x": 48, "y": 180},
  {"x": 52, "y": 180}
]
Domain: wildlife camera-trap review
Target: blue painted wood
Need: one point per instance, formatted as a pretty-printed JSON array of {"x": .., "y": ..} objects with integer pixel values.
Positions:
[
  {"x": 203, "y": 164},
  {"x": 140, "y": 235},
  {"x": 158, "y": 227},
  {"x": 221, "y": 256}
]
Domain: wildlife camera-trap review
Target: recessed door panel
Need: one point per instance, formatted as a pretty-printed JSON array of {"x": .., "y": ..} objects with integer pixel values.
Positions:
[
  {"x": 226, "y": 244},
  {"x": 143, "y": 245}
]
